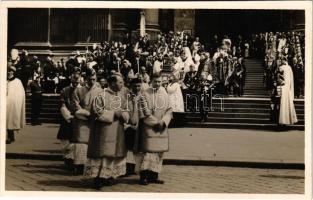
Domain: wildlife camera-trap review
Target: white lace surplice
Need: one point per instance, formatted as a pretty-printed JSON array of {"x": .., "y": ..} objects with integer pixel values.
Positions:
[
  {"x": 105, "y": 167},
  {"x": 79, "y": 153},
  {"x": 149, "y": 161}
]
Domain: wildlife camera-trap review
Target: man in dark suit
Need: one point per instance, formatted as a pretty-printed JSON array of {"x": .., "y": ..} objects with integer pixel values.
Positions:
[
  {"x": 191, "y": 81},
  {"x": 36, "y": 100}
]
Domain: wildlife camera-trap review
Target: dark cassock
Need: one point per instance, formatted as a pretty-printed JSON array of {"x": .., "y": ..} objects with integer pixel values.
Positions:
[
  {"x": 154, "y": 117},
  {"x": 67, "y": 109},
  {"x": 131, "y": 129},
  {"x": 106, "y": 148},
  {"x": 190, "y": 94},
  {"x": 83, "y": 98},
  {"x": 137, "y": 61},
  {"x": 64, "y": 76},
  {"x": 298, "y": 70},
  {"x": 50, "y": 73},
  {"x": 204, "y": 85},
  {"x": 26, "y": 69},
  {"x": 36, "y": 100},
  {"x": 240, "y": 78}
]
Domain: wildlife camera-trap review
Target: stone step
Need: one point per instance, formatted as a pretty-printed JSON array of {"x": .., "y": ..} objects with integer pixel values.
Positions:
[
  {"x": 238, "y": 115},
  {"x": 269, "y": 126},
  {"x": 246, "y": 110},
  {"x": 235, "y": 120}
]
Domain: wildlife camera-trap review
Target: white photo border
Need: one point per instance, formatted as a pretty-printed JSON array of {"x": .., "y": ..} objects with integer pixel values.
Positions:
[{"x": 277, "y": 5}]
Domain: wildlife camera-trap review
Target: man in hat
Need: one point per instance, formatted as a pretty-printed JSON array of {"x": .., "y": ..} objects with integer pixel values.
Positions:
[
  {"x": 106, "y": 148},
  {"x": 15, "y": 116},
  {"x": 155, "y": 116}
]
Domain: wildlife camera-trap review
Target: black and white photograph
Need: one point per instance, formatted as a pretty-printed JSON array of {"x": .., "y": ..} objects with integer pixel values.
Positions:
[{"x": 158, "y": 100}]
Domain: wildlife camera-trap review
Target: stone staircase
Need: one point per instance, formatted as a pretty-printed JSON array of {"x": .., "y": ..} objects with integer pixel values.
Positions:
[
  {"x": 254, "y": 79},
  {"x": 230, "y": 113},
  {"x": 240, "y": 113}
]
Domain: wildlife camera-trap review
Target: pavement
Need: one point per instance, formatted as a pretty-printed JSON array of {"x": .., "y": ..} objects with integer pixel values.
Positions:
[
  {"x": 200, "y": 160},
  {"x": 46, "y": 175},
  {"x": 189, "y": 146}
]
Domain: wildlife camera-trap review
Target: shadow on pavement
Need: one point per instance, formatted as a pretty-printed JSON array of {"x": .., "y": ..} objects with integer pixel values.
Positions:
[
  {"x": 60, "y": 167},
  {"x": 48, "y": 151},
  {"x": 282, "y": 176},
  {"x": 83, "y": 184},
  {"x": 49, "y": 171}
]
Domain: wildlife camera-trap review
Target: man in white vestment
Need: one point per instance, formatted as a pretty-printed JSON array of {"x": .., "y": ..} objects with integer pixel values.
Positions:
[
  {"x": 15, "y": 116},
  {"x": 287, "y": 113}
]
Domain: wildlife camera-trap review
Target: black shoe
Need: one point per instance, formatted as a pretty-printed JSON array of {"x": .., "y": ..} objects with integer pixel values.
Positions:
[
  {"x": 97, "y": 183},
  {"x": 143, "y": 182},
  {"x": 11, "y": 136},
  {"x": 143, "y": 178},
  {"x": 78, "y": 170},
  {"x": 8, "y": 141},
  {"x": 107, "y": 182},
  {"x": 157, "y": 181},
  {"x": 69, "y": 164},
  {"x": 130, "y": 169}
]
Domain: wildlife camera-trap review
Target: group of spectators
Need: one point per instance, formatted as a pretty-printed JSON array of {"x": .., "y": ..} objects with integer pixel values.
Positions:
[
  {"x": 284, "y": 45},
  {"x": 200, "y": 69},
  {"x": 171, "y": 53}
]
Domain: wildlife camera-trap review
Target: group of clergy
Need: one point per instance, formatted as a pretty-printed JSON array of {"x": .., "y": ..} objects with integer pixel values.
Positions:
[{"x": 115, "y": 131}]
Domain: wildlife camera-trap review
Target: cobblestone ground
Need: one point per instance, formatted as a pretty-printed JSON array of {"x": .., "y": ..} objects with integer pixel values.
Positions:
[{"x": 39, "y": 175}]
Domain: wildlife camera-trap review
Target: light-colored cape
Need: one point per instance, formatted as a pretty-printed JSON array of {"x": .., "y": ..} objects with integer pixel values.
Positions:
[
  {"x": 175, "y": 96},
  {"x": 15, "y": 105}
]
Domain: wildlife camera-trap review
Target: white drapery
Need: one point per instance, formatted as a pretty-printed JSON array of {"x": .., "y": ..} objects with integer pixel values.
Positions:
[{"x": 142, "y": 24}]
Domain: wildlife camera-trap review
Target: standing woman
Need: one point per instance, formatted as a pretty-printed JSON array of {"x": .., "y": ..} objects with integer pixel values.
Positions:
[
  {"x": 287, "y": 113},
  {"x": 16, "y": 119},
  {"x": 175, "y": 95}
]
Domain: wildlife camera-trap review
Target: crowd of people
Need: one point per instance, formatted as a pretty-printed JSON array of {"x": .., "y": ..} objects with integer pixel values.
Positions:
[
  {"x": 281, "y": 45},
  {"x": 192, "y": 71}
]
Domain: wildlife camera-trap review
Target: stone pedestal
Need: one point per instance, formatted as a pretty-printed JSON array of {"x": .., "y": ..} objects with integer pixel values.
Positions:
[
  {"x": 119, "y": 26},
  {"x": 152, "y": 23},
  {"x": 184, "y": 20}
]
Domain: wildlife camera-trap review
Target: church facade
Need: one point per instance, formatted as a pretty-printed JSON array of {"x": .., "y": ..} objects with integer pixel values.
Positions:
[{"x": 60, "y": 31}]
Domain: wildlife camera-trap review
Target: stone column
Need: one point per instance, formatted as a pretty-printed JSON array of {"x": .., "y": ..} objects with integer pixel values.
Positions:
[
  {"x": 119, "y": 26},
  {"x": 184, "y": 20},
  {"x": 152, "y": 23},
  {"x": 109, "y": 26},
  {"x": 48, "y": 32}
]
